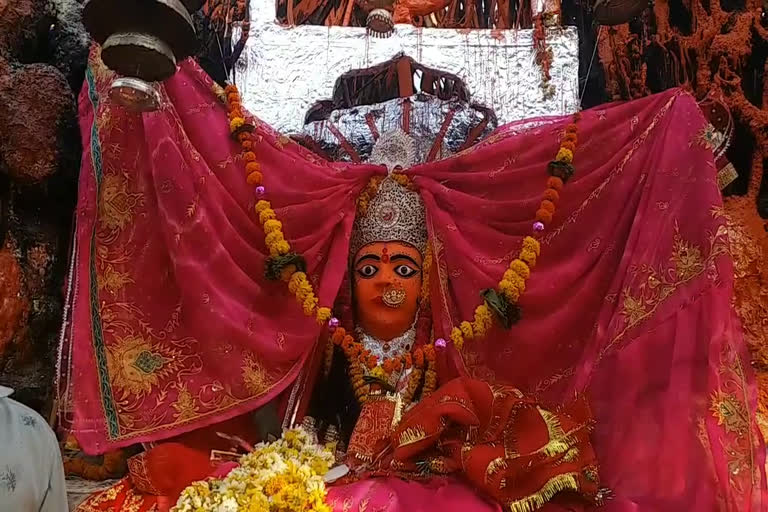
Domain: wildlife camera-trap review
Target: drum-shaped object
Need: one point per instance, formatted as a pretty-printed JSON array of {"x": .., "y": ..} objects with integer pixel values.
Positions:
[
  {"x": 141, "y": 38},
  {"x": 617, "y": 12}
]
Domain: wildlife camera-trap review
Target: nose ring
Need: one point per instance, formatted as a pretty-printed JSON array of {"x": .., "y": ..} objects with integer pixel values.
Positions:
[{"x": 393, "y": 297}]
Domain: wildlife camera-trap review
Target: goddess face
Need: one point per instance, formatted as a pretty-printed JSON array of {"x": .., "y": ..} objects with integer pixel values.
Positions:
[{"x": 387, "y": 283}]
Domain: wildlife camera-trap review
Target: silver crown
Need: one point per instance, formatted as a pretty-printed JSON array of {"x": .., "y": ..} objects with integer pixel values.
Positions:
[{"x": 395, "y": 214}]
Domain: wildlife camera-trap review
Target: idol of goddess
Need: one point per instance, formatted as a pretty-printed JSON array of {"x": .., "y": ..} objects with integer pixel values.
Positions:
[{"x": 385, "y": 368}]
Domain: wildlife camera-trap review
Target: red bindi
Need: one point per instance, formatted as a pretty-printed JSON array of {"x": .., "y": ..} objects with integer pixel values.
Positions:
[{"x": 384, "y": 255}]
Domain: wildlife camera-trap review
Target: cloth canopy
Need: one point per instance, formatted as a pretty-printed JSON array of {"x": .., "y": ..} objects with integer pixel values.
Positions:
[{"x": 175, "y": 326}]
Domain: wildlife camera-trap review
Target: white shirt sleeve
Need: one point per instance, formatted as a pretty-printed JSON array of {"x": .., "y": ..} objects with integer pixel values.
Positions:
[{"x": 55, "y": 499}]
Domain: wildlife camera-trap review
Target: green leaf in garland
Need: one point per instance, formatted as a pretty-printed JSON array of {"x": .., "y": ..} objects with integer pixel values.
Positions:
[
  {"x": 507, "y": 314},
  {"x": 275, "y": 265}
]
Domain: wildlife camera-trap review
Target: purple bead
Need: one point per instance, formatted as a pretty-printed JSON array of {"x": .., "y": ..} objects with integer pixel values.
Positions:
[
  {"x": 333, "y": 323},
  {"x": 538, "y": 227},
  {"x": 260, "y": 191},
  {"x": 440, "y": 343}
]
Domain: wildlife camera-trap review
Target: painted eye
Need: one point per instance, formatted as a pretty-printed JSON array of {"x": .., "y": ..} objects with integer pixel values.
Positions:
[
  {"x": 405, "y": 271},
  {"x": 367, "y": 271}
]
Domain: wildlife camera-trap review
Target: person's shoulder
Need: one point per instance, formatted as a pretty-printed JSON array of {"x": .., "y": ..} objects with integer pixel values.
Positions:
[{"x": 28, "y": 420}]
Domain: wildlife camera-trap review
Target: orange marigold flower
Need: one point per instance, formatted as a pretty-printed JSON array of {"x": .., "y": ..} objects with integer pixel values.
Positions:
[
  {"x": 544, "y": 216},
  {"x": 233, "y": 96},
  {"x": 249, "y": 156},
  {"x": 551, "y": 194},
  {"x": 429, "y": 352},
  {"x": 243, "y": 136},
  {"x": 555, "y": 183},
  {"x": 252, "y": 167},
  {"x": 571, "y": 137},
  {"x": 398, "y": 364},
  {"x": 338, "y": 335},
  {"x": 232, "y": 114},
  {"x": 570, "y": 146},
  {"x": 388, "y": 366},
  {"x": 247, "y": 144},
  {"x": 548, "y": 205},
  {"x": 347, "y": 342},
  {"x": 408, "y": 360},
  {"x": 571, "y": 128},
  {"x": 372, "y": 362},
  {"x": 230, "y": 88},
  {"x": 418, "y": 357},
  {"x": 254, "y": 178}
]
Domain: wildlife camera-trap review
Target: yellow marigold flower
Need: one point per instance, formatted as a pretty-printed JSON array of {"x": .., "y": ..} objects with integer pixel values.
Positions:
[
  {"x": 236, "y": 123},
  {"x": 273, "y": 225},
  {"x": 273, "y": 237},
  {"x": 519, "y": 267},
  {"x": 310, "y": 304},
  {"x": 274, "y": 485},
  {"x": 323, "y": 315},
  {"x": 262, "y": 205},
  {"x": 466, "y": 330},
  {"x": 280, "y": 248},
  {"x": 457, "y": 337},
  {"x": 268, "y": 214},
  {"x": 510, "y": 291},
  {"x": 564, "y": 155},
  {"x": 483, "y": 320},
  {"x": 531, "y": 243},
  {"x": 303, "y": 291},
  {"x": 296, "y": 279},
  {"x": 517, "y": 281},
  {"x": 529, "y": 257}
]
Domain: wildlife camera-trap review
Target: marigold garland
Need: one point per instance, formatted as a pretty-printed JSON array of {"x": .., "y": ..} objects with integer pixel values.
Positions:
[
  {"x": 289, "y": 266},
  {"x": 513, "y": 282}
]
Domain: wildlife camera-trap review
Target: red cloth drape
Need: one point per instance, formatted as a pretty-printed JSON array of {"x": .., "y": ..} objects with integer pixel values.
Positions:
[{"x": 176, "y": 328}]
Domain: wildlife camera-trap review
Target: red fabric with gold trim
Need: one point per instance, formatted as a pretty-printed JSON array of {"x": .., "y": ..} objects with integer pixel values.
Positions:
[
  {"x": 119, "y": 497},
  {"x": 505, "y": 444}
]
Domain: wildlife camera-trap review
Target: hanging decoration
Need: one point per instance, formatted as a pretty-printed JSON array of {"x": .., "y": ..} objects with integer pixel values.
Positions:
[{"x": 379, "y": 23}]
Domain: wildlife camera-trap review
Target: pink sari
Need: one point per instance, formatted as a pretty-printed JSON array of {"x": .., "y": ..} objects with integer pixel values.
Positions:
[{"x": 175, "y": 327}]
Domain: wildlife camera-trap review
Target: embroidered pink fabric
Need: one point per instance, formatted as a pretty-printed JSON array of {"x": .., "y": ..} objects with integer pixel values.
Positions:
[{"x": 175, "y": 327}]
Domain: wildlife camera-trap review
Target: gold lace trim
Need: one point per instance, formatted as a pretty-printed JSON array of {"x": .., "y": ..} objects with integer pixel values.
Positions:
[{"x": 556, "y": 484}]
